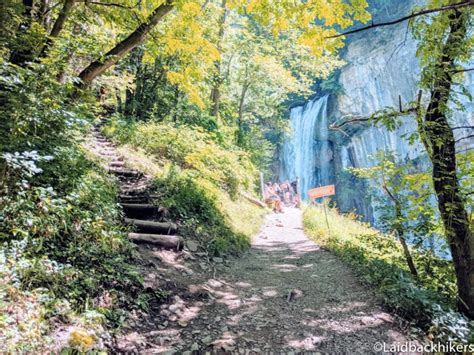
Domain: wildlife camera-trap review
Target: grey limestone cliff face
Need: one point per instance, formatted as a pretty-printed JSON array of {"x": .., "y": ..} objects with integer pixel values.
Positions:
[{"x": 381, "y": 69}]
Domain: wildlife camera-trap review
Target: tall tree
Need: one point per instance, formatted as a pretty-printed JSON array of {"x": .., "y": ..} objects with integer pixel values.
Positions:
[
  {"x": 448, "y": 45},
  {"x": 58, "y": 24},
  {"x": 24, "y": 53},
  {"x": 216, "y": 88},
  {"x": 122, "y": 48}
]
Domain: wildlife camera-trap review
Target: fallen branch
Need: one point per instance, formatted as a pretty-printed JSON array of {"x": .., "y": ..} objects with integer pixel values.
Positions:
[
  {"x": 254, "y": 200},
  {"x": 375, "y": 117}
]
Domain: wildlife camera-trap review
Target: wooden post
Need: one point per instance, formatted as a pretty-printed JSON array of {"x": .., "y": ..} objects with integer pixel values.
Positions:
[
  {"x": 262, "y": 186},
  {"x": 326, "y": 215}
]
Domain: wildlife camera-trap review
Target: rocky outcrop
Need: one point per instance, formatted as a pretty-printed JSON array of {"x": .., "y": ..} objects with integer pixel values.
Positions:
[{"x": 382, "y": 69}]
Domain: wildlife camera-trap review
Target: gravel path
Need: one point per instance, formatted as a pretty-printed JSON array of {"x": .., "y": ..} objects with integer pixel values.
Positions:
[{"x": 285, "y": 294}]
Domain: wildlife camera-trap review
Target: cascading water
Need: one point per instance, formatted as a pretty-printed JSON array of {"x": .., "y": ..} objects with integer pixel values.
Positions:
[{"x": 306, "y": 153}]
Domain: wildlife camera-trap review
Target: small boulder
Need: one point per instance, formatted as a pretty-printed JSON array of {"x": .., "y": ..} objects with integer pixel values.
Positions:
[{"x": 192, "y": 245}]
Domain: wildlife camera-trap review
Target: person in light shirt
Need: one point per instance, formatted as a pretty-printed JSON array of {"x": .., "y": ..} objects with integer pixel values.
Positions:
[{"x": 272, "y": 198}]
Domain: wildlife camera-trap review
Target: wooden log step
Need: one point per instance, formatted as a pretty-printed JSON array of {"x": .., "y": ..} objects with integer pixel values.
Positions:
[
  {"x": 133, "y": 191},
  {"x": 165, "y": 241},
  {"x": 116, "y": 164},
  {"x": 140, "y": 210},
  {"x": 109, "y": 153},
  {"x": 133, "y": 199},
  {"x": 139, "y": 199},
  {"x": 126, "y": 172},
  {"x": 105, "y": 145},
  {"x": 153, "y": 227}
]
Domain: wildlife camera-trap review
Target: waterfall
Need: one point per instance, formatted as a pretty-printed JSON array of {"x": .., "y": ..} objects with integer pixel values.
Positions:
[
  {"x": 306, "y": 153},
  {"x": 323, "y": 143}
]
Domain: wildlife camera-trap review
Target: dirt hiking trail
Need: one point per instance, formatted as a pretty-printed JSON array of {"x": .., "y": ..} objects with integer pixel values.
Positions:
[{"x": 285, "y": 294}]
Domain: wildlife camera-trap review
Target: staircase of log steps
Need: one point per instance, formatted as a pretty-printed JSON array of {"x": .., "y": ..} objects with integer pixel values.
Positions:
[{"x": 139, "y": 206}]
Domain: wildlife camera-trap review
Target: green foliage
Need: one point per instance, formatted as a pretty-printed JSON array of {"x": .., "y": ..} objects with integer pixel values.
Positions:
[
  {"x": 412, "y": 189},
  {"x": 379, "y": 259},
  {"x": 198, "y": 210},
  {"x": 33, "y": 109},
  {"x": 432, "y": 33},
  {"x": 65, "y": 241},
  {"x": 199, "y": 181},
  {"x": 466, "y": 175},
  {"x": 195, "y": 150}
]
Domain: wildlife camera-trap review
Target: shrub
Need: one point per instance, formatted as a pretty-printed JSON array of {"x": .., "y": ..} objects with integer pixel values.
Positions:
[
  {"x": 63, "y": 250},
  {"x": 199, "y": 182}
]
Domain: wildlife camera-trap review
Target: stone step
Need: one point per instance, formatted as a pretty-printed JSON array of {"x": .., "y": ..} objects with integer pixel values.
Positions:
[{"x": 144, "y": 226}]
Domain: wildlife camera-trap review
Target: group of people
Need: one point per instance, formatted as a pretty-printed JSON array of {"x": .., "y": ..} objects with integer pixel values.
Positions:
[{"x": 279, "y": 194}]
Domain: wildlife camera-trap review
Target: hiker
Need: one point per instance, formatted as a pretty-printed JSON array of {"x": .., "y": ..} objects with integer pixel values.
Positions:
[
  {"x": 272, "y": 198},
  {"x": 294, "y": 185},
  {"x": 286, "y": 192},
  {"x": 278, "y": 199}
]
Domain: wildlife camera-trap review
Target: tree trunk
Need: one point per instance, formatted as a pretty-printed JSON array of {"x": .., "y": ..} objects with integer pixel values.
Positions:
[
  {"x": 176, "y": 103},
  {"x": 137, "y": 37},
  {"x": 245, "y": 87},
  {"x": 406, "y": 251},
  {"x": 399, "y": 230},
  {"x": 438, "y": 139},
  {"x": 58, "y": 25},
  {"x": 62, "y": 17},
  {"x": 216, "y": 89},
  {"x": 24, "y": 55}
]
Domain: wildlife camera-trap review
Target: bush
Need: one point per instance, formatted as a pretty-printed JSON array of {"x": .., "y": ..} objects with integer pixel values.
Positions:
[
  {"x": 198, "y": 181},
  {"x": 63, "y": 251},
  {"x": 197, "y": 209},
  {"x": 379, "y": 259}
]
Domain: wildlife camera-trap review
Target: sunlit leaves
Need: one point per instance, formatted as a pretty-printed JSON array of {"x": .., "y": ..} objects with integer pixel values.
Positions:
[{"x": 190, "y": 35}]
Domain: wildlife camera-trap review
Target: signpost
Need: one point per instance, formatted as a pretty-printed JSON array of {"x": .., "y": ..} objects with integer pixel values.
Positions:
[{"x": 323, "y": 191}]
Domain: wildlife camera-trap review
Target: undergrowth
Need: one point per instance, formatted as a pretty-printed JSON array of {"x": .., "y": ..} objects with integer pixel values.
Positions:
[
  {"x": 65, "y": 260},
  {"x": 200, "y": 182},
  {"x": 427, "y": 302}
]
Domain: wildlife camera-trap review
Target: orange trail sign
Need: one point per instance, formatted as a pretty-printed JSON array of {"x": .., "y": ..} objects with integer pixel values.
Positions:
[{"x": 322, "y": 191}]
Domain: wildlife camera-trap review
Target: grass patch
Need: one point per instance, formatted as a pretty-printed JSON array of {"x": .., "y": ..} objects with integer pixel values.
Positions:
[
  {"x": 428, "y": 302},
  {"x": 199, "y": 181}
]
